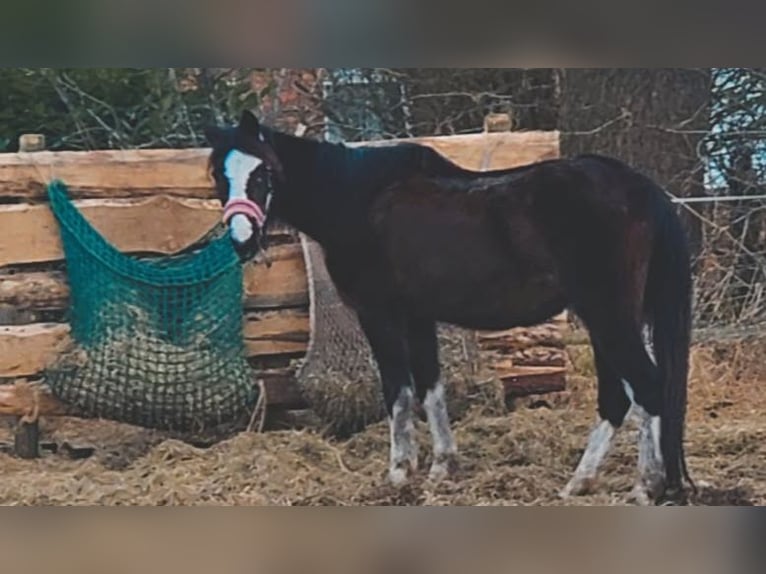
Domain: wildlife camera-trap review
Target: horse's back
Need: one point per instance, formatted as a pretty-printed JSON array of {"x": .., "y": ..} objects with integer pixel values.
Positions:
[{"x": 520, "y": 238}]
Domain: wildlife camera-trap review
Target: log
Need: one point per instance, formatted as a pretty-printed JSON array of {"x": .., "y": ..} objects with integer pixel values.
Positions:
[
  {"x": 498, "y": 122},
  {"x": 183, "y": 173},
  {"x": 35, "y": 291},
  {"x": 532, "y": 357},
  {"x": 158, "y": 224},
  {"x": 283, "y": 284},
  {"x": 276, "y": 332},
  {"x": 488, "y": 151},
  {"x": 26, "y": 350},
  {"x": 26, "y": 439},
  {"x": 523, "y": 381},
  {"x": 108, "y": 174},
  {"x": 539, "y": 357},
  {"x": 23, "y": 398},
  {"x": 31, "y": 142},
  {"x": 518, "y": 339}
]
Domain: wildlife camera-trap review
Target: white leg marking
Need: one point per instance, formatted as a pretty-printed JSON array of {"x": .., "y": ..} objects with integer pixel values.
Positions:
[
  {"x": 237, "y": 167},
  {"x": 629, "y": 392},
  {"x": 646, "y": 335},
  {"x": 598, "y": 446},
  {"x": 444, "y": 449},
  {"x": 655, "y": 428},
  {"x": 651, "y": 471},
  {"x": 404, "y": 449},
  {"x": 650, "y": 468}
]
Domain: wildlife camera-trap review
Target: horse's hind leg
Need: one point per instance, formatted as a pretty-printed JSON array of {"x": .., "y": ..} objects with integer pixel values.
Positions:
[
  {"x": 424, "y": 364},
  {"x": 626, "y": 356},
  {"x": 651, "y": 471},
  {"x": 386, "y": 334},
  {"x": 613, "y": 406}
]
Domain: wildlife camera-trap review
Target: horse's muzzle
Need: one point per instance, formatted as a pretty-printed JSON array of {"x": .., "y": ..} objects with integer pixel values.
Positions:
[{"x": 247, "y": 250}]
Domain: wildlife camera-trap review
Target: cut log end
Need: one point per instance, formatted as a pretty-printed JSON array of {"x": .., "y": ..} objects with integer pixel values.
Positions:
[{"x": 523, "y": 381}]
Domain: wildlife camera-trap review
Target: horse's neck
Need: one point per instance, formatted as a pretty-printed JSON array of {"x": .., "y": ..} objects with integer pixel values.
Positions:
[
  {"x": 329, "y": 187},
  {"x": 317, "y": 198}
]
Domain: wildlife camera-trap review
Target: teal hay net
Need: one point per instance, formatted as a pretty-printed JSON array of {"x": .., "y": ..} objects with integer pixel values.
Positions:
[{"x": 156, "y": 341}]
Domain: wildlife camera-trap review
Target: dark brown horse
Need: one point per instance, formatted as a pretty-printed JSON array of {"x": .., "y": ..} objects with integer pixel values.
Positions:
[{"x": 411, "y": 239}]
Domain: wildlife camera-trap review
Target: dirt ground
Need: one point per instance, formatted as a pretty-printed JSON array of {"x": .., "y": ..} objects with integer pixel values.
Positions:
[{"x": 521, "y": 457}]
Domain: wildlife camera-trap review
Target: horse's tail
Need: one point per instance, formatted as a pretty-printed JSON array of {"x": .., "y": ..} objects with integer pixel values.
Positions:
[{"x": 669, "y": 297}]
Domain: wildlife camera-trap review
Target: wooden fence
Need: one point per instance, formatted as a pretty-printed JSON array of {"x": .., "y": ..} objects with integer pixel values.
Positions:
[{"x": 161, "y": 201}]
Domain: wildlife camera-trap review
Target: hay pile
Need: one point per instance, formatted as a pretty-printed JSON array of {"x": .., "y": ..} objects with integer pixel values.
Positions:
[
  {"x": 519, "y": 458},
  {"x": 133, "y": 374}
]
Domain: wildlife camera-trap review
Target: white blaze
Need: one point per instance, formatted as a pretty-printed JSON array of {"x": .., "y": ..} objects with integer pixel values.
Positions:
[{"x": 237, "y": 167}]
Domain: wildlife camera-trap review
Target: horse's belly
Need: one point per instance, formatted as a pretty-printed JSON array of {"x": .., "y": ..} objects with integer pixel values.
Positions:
[
  {"x": 483, "y": 290},
  {"x": 452, "y": 259}
]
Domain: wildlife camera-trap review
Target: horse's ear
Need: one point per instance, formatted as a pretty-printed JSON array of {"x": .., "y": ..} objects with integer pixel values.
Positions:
[
  {"x": 214, "y": 135},
  {"x": 249, "y": 123}
]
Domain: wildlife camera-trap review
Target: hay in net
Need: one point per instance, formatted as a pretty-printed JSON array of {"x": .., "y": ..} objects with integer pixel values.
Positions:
[
  {"x": 157, "y": 342},
  {"x": 338, "y": 376}
]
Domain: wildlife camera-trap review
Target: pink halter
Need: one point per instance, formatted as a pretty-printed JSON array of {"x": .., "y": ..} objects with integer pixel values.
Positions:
[{"x": 243, "y": 207}]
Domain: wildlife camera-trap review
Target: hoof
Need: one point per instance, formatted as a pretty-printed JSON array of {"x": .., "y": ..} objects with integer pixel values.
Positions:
[
  {"x": 443, "y": 467},
  {"x": 401, "y": 473},
  {"x": 648, "y": 488},
  {"x": 673, "y": 497},
  {"x": 398, "y": 476},
  {"x": 641, "y": 496},
  {"x": 577, "y": 487}
]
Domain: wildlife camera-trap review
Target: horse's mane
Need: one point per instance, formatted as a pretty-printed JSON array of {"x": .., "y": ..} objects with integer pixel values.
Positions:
[{"x": 374, "y": 167}]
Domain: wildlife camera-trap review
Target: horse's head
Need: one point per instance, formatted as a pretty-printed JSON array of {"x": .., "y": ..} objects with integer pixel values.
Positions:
[{"x": 246, "y": 170}]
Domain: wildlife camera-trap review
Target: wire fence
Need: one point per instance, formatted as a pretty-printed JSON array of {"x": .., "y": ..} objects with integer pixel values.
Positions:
[{"x": 730, "y": 267}]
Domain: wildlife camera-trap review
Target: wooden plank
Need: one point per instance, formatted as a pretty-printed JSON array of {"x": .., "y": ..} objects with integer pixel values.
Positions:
[
  {"x": 108, "y": 174},
  {"x": 133, "y": 173},
  {"x": 26, "y": 350},
  {"x": 22, "y": 398},
  {"x": 490, "y": 150},
  {"x": 520, "y": 338},
  {"x": 158, "y": 224},
  {"x": 283, "y": 284},
  {"x": 38, "y": 290},
  {"x": 277, "y": 332}
]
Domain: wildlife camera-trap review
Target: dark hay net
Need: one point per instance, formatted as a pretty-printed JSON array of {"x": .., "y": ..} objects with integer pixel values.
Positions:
[
  {"x": 157, "y": 342},
  {"x": 339, "y": 378}
]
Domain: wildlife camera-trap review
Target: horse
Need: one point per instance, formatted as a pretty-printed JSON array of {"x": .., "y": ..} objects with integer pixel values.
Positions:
[{"x": 411, "y": 239}]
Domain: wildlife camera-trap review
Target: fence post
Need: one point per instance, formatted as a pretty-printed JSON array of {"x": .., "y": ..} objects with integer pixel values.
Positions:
[
  {"x": 498, "y": 123},
  {"x": 26, "y": 439}
]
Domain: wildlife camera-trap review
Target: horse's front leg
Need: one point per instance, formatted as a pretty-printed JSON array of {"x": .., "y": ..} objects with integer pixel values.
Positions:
[
  {"x": 424, "y": 364},
  {"x": 386, "y": 333}
]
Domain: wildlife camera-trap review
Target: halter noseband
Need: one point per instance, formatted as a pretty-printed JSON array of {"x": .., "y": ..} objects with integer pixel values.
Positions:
[{"x": 243, "y": 207}]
